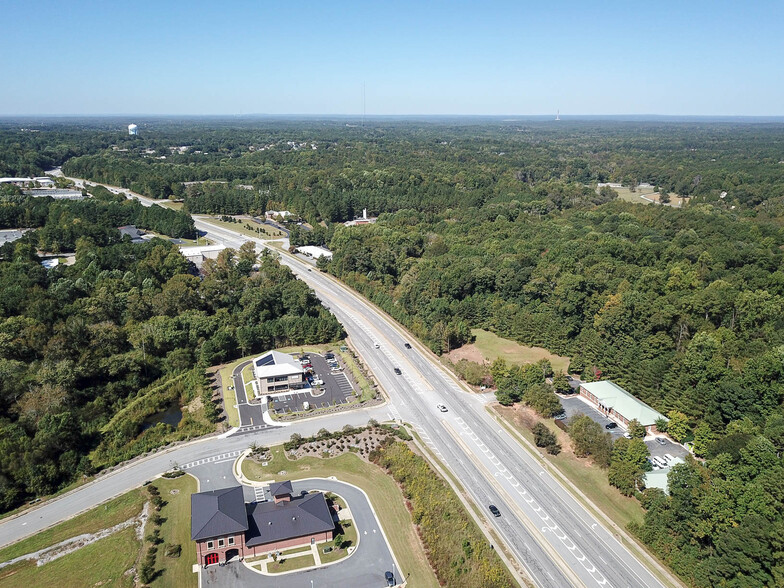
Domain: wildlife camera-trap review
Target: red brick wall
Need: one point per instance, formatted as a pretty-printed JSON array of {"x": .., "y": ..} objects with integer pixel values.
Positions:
[
  {"x": 239, "y": 544},
  {"x": 287, "y": 544}
]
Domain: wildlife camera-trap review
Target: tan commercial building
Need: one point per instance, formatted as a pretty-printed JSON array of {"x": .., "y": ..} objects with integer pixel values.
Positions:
[
  {"x": 615, "y": 402},
  {"x": 278, "y": 373}
]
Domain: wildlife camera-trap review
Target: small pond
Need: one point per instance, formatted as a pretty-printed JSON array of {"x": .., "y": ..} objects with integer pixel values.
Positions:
[{"x": 171, "y": 416}]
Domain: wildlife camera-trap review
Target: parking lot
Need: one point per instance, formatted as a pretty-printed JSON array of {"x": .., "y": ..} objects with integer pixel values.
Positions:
[
  {"x": 573, "y": 406},
  {"x": 337, "y": 388},
  {"x": 666, "y": 450}
]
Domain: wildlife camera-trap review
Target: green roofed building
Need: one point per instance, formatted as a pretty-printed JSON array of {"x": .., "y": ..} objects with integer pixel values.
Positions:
[{"x": 617, "y": 403}]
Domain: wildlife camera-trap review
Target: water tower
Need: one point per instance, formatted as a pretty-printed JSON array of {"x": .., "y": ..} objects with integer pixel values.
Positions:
[{"x": 133, "y": 129}]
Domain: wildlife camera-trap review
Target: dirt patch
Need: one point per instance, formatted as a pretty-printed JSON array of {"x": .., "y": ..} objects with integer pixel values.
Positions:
[
  {"x": 194, "y": 405},
  {"x": 469, "y": 352},
  {"x": 525, "y": 418}
]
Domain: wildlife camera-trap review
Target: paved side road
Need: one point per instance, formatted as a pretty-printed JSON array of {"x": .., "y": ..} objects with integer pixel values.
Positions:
[
  {"x": 108, "y": 486},
  {"x": 365, "y": 567}
]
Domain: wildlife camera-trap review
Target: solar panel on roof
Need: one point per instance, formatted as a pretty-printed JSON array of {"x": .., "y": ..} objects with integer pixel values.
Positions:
[{"x": 266, "y": 360}]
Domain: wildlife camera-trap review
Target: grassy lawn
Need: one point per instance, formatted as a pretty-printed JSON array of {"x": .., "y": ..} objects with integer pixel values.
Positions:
[
  {"x": 266, "y": 232},
  {"x": 247, "y": 373},
  {"x": 295, "y": 550},
  {"x": 113, "y": 512},
  {"x": 229, "y": 396},
  {"x": 101, "y": 563},
  {"x": 199, "y": 241},
  {"x": 627, "y": 195},
  {"x": 349, "y": 532},
  {"x": 176, "y": 571},
  {"x": 106, "y": 561},
  {"x": 491, "y": 346},
  {"x": 385, "y": 496},
  {"x": 172, "y": 205},
  {"x": 294, "y": 563}
]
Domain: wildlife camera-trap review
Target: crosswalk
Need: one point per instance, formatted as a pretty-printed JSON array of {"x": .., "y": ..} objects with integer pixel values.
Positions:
[
  {"x": 230, "y": 456},
  {"x": 394, "y": 414},
  {"x": 258, "y": 491},
  {"x": 251, "y": 428}
]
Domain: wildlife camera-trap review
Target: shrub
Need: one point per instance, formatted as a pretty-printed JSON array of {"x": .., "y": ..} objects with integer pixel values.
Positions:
[
  {"x": 174, "y": 474},
  {"x": 543, "y": 436},
  {"x": 444, "y": 536},
  {"x": 146, "y": 573}
]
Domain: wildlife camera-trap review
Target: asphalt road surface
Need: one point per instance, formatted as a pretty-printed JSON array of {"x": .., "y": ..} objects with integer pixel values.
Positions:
[{"x": 557, "y": 540}]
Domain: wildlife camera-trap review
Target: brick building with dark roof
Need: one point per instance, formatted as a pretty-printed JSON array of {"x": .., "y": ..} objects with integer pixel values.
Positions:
[{"x": 224, "y": 527}]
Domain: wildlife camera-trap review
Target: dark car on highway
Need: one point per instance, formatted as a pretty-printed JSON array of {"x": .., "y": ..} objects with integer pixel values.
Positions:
[
  {"x": 397, "y": 371},
  {"x": 494, "y": 509},
  {"x": 407, "y": 345}
]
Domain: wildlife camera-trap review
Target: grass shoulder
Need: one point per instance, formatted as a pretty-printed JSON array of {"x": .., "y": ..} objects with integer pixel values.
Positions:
[
  {"x": 106, "y": 515},
  {"x": 587, "y": 477}
]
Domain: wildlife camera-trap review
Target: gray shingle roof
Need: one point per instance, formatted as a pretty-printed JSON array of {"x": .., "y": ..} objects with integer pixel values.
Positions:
[
  {"x": 279, "y": 488},
  {"x": 301, "y": 516},
  {"x": 218, "y": 512}
]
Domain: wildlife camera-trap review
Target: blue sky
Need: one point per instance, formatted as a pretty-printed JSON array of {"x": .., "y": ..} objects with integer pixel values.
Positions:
[{"x": 688, "y": 57}]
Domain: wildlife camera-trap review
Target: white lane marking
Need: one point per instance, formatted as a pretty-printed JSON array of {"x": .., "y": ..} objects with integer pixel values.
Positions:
[{"x": 543, "y": 515}]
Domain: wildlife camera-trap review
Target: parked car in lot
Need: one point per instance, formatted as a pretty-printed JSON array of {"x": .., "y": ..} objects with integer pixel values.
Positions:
[
  {"x": 442, "y": 408},
  {"x": 609, "y": 426},
  {"x": 494, "y": 509},
  {"x": 660, "y": 441},
  {"x": 397, "y": 371}
]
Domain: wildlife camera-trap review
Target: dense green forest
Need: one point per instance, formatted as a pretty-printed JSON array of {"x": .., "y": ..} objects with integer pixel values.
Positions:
[
  {"x": 499, "y": 225},
  {"x": 685, "y": 308},
  {"x": 63, "y": 222},
  {"x": 88, "y": 351},
  {"x": 328, "y": 170}
]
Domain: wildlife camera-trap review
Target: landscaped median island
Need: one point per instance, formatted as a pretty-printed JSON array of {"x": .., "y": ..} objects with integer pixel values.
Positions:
[
  {"x": 426, "y": 524},
  {"x": 107, "y": 545}
]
